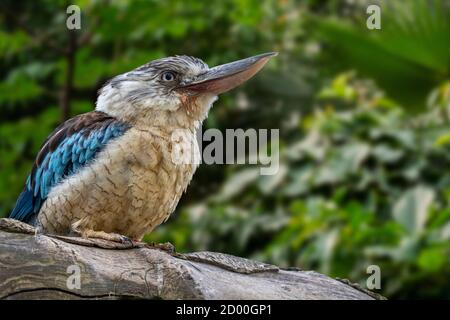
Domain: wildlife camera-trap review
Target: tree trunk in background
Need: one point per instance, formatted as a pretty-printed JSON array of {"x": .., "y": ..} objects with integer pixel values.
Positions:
[{"x": 66, "y": 93}]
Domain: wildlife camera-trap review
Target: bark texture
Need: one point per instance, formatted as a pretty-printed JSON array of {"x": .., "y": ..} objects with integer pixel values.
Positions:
[{"x": 38, "y": 267}]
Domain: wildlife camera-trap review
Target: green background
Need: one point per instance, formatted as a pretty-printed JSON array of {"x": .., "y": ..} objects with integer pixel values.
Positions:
[{"x": 363, "y": 115}]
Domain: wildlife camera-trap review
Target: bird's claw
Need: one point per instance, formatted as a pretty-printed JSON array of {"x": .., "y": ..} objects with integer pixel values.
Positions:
[
  {"x": 120, "y": 238},
  {"x": 109, "y": 240}
]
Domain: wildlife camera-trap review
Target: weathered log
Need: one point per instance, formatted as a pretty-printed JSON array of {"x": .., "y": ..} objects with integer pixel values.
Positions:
[{"x": 43, "y": 267}]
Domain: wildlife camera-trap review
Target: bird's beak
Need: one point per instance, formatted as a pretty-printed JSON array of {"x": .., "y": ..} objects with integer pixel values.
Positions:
[{"x": 227, "y": 76}]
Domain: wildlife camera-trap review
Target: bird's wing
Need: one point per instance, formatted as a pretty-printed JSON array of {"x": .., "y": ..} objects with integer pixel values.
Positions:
[{"x": 70, "y": 147}]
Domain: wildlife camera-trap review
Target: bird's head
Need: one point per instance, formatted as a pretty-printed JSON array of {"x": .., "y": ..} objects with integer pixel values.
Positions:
[{"x": 178, "y": 89}]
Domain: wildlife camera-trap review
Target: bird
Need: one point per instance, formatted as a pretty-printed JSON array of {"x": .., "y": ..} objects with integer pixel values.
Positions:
[{"x": 110, "y": 174}]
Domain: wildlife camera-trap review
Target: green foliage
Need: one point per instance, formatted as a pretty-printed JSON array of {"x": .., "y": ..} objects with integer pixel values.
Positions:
[
  {"x": 361, "y": 181},
  {"x": 20, "y": 141},
  {"x": 364, "y": 186},
  {"x": 12, "y": 43},
  {"x": 407, "y": 57}
]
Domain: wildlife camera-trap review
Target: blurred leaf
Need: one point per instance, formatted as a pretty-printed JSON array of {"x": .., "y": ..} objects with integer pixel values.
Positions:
[
  {"x": 412, "y": 47},
  {"x": 237, "y": 183},
  {"x": 268, "y": 183},
  {"x": 411, "y": 210},
  {"x": 12, "y": 43},
  {"x": 432, "y": 259},
  {"x": 387, "y": 154}
]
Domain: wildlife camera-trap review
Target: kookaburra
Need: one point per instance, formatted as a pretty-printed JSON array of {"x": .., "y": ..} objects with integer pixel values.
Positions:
[{"x": 110, "y": 173}]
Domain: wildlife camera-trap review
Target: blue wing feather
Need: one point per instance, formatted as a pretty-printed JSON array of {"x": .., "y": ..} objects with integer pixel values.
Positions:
[
  {"x": 69, "y": 148},
  {"x": 24, "y": 205}
]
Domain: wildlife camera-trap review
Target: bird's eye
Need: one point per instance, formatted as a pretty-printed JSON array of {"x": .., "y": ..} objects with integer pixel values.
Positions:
[{"x": 168, "y": 76}]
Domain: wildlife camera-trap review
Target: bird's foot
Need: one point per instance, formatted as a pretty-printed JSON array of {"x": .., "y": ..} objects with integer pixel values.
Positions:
[
  {"x": 101, "y": 239},
  {"x": 167, "y": 247},
  {"x": 114, "y": 237},
  {"x": 109, "y": 240},
  {"x": 16, "y": 226},
  {"x": 90, "y": 238}
]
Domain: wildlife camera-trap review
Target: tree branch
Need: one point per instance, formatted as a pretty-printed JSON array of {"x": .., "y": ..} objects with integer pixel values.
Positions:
[{"x": 36, "y": 267}]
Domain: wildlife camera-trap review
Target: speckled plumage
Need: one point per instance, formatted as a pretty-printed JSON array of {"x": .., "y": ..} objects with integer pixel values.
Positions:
[
  {"x": 130, "y": 188},
  {"x": 111, "y": 172},
  {"x": 70, "y": 147}
]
